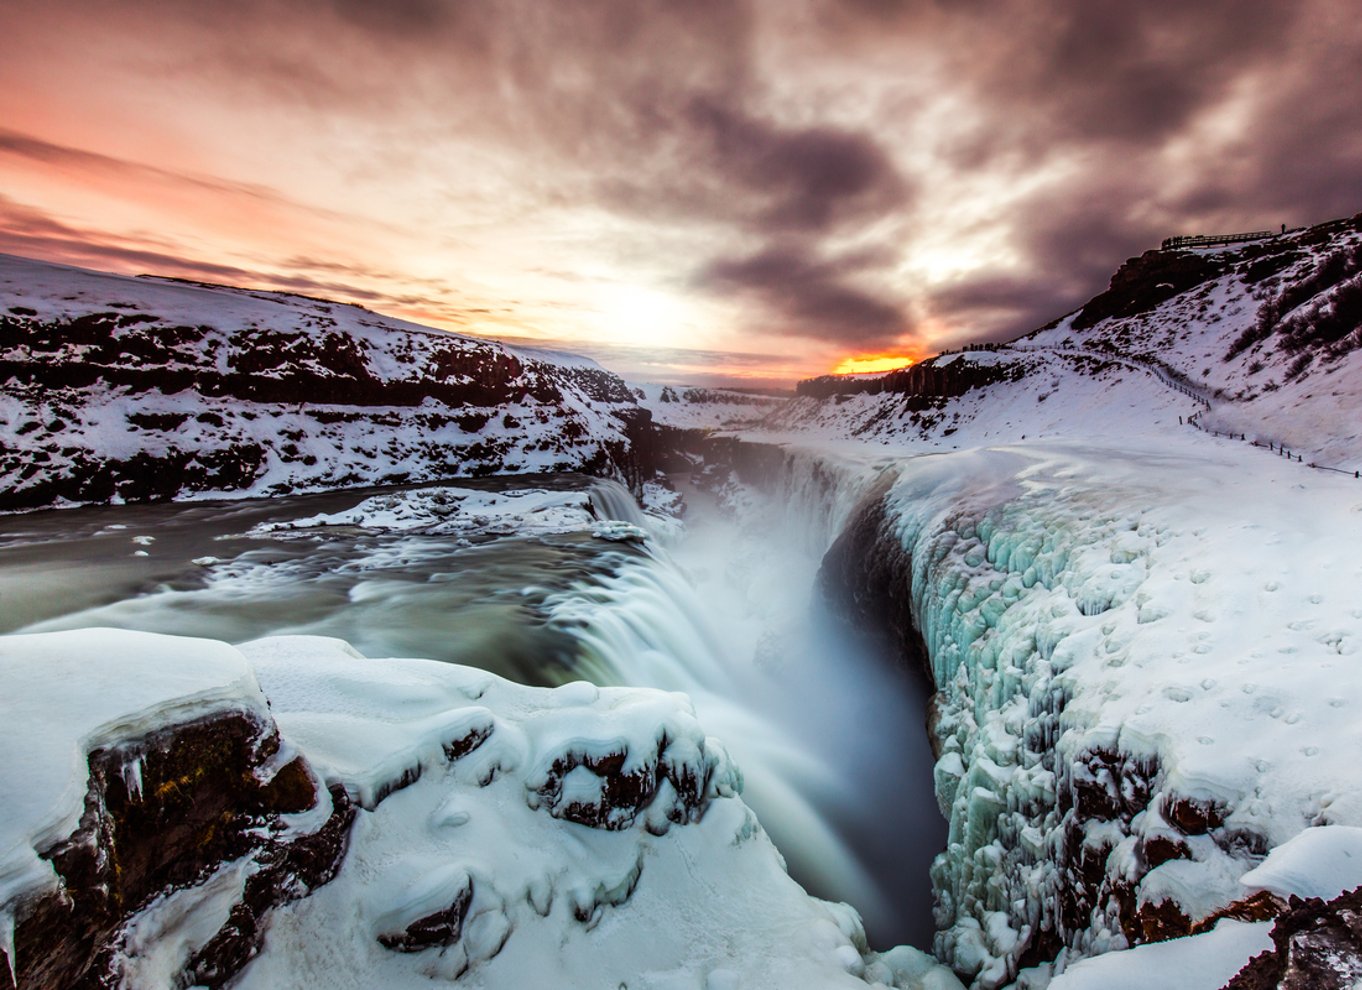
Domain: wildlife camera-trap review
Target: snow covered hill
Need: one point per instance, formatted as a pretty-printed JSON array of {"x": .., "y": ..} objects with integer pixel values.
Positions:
[
  {"x": 1261, "y": 339},
  {"x": 127, "y": 389}
]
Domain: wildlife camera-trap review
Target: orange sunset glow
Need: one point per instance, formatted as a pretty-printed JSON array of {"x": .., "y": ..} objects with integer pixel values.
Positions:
[
  {"x": 872, "y": 364},
  {"x": 749, "y": 193}
]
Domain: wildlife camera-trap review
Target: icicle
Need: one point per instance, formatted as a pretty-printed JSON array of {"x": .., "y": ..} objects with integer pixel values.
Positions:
[
  {"x": 7, "y": 943},
  {"x": 132, "y": 778}
]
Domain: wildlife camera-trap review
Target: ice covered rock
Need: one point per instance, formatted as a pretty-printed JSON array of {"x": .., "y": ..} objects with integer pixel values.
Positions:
[
  {"x": 144, "y": 774},
  {"x": 1137, "y": 654}
]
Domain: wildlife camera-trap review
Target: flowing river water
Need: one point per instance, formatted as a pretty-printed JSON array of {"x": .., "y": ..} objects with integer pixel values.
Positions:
[{"x": 828, "y": 729}]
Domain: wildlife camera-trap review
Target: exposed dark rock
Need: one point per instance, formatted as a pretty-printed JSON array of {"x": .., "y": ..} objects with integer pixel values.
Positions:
[
  {"x": 624, "y": 795},
  {"x": 443, "y": 927},
  {"x": 1162, "y": 848},
  {"x": 1317, "y": 945},
  {"x": 1143, "y": 283},
  {"x": 1192, "y": 816},
  {"x": 288, "y": 870},
  {"x": 164, "y": 812},
  {"x": 1257, "y": 907}
]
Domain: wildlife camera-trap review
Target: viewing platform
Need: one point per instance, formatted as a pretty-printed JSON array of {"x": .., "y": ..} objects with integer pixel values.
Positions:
[{"x": 1211, "y": 240}]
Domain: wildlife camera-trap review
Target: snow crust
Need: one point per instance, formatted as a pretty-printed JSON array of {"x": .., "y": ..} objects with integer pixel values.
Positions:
[
  {"x": 1320, "y": 862},
  {"x": 1200, "y": 962}
]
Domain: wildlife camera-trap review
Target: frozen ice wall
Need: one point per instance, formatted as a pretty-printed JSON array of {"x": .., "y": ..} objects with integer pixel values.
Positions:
[{"x": 1142, "y": 662}]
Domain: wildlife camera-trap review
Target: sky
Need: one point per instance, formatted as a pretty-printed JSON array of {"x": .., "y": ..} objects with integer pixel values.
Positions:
[{"x": 748, "y": 191}]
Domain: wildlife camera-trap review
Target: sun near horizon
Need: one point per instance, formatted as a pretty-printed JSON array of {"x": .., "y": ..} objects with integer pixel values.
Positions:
[{"x": 869, "y": 364}]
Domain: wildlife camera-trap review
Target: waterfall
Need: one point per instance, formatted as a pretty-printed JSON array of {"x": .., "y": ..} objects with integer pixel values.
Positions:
[{"x": 830, "y": 736}]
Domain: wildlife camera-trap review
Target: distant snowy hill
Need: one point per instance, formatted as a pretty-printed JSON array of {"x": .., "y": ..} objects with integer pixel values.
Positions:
[
  {"x": 126, "y": 389},
  {"x": 1262, "y": 339},
  {"x": 692, "y": 408}
]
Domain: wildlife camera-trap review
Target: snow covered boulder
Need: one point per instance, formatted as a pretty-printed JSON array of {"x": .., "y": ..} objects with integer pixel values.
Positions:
[
  {"x": 582, "y": 837},
  {"x": 147, "y": 798},
  {"x": 383, "y": 823}
]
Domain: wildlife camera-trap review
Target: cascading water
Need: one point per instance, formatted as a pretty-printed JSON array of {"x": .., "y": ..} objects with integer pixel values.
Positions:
[{"x": 828, "y": 731}]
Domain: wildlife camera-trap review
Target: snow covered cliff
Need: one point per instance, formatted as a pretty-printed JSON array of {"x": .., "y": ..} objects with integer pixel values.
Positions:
[
  {"x": 1262, "y": 340},
  {"x": 128, "y": 389},
  {"x": 383, "y": 823}
]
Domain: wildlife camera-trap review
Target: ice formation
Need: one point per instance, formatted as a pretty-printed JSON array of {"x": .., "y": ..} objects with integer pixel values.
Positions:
[{"x": 1139, "y": 630}]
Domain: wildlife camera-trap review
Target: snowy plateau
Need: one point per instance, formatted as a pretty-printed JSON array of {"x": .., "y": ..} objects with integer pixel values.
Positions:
[{"x": 1124, "y": 551}]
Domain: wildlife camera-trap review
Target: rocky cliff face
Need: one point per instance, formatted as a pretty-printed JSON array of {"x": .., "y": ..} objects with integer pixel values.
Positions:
[
  {"x": 169, "y": 812},
  {"x": 121, "y": 389}
]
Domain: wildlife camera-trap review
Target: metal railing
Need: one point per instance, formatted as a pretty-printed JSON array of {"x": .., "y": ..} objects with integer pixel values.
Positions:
[
  {"x": 1279, "y": 449},
  {"x": 1210, "y": 240}
]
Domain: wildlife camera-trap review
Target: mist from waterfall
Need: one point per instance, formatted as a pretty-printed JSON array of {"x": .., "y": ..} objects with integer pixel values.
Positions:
[{"x": 829, "y": 729}]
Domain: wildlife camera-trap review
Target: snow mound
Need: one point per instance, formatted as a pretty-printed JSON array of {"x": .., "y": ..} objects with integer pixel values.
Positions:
[
  {"x": 1320, "y": 862},
  {"x": 1200, "y": 962},
  {"x": 527, "y": 834},
  {"x": 574, "y": 836}
]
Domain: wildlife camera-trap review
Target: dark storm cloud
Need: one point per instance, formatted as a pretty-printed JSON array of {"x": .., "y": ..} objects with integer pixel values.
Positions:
[
  {"x": 814, "y": 177},
  {"x": 1094, "y": 70},
  {"x": 810, "y": 297}
]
